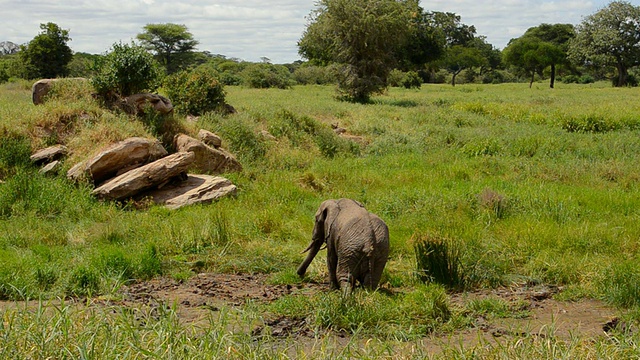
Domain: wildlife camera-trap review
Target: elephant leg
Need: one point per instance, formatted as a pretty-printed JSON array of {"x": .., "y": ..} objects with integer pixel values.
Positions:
[{"x": 332, "y": 264}]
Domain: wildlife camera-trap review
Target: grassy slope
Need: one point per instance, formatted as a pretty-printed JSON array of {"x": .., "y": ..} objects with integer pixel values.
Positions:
[{"x": 436, "y": 161}]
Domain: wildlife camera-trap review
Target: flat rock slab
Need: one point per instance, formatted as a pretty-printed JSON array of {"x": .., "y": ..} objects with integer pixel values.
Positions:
[
  {"x": 49, "y": 154},
  {"x": 197, "y": 189},
  {"x": 145, "y": 177},
  {"x": 129, "y": 153}
]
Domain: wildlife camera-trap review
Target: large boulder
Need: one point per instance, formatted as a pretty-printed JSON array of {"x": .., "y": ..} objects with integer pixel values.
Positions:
[
  {"x": 137, "y": 104},
  {"x": 208, "y": 159},
  {"x": 146, "y": 177},
  {"x": 49, "y": 154},
  {"x": 124, "y": 155},
  {"x": 210, "y": 138},
  {"x": 197, "y": 189}
]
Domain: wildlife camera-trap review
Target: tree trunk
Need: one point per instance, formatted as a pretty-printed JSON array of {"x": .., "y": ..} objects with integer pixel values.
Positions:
[
  {"x": 622, "y": 75},
  {"x": 453, "y": 79},
  {"x": 533, "y": 78},
  {"x": 553, "y": 76}
]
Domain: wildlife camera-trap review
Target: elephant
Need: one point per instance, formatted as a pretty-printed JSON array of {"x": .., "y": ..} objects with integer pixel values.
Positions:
[{"x": 357, "y": 243}]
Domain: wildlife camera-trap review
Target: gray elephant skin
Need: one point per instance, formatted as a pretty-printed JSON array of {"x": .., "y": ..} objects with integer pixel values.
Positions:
[{"x": 357, "y": 244}]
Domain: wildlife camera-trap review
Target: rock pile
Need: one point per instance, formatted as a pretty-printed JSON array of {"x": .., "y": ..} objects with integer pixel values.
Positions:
[{"x": 141, "y": 168}]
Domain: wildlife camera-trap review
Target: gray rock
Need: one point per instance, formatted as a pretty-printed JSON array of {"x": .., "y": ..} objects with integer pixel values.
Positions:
[
  {"x": 145, "y": 177},
  {"x": 210, "y": 138},
  {"x": 137, "y": 104},
  {"x": 208, "y": 159},
  {"x": 129, "y": 153},
  {"x": 49, "y": 154},
  {"x": 197, "y": 189},
  {"x": 51, "y": 168}
]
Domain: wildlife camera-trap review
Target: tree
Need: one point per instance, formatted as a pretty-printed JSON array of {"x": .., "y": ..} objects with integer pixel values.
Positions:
[
  {"x": 47, "y": 55},
  {"x": 609, "y": 37},
  {"x": 425, "y": 43},
  {"x": 172, "y": 44},
  {"x": 556, "y": 42},
  {"x": 532, "y": 55},
  {"x": 363, "y": 36},
  {"x": 459, "y": 57}
]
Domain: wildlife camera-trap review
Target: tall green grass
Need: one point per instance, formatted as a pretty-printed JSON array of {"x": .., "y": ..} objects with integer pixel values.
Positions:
[{"x": 533, "y": 185}]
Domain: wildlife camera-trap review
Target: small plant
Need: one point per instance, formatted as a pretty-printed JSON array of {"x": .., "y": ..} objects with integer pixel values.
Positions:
[
  {"x": 493, "y": 202},
  {"x": 411, "y": 80},
  {"x": 588, "y": 124},
  {"x": 195, "y": 92},
  {"x": 438, "y": 260},
  {"x": 150, "y": 263},
  {"x": 83, "y": 282}
]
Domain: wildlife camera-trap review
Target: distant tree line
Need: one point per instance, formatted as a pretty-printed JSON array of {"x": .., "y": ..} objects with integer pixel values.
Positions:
[{"x": 364, "y": 46}]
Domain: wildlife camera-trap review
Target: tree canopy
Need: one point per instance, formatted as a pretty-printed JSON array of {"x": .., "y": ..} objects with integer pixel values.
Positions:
[
  {"x": 540, "y": 47},
  {"x": 172, "y": 43},
  {"x": 47, "y": 55},
  {"x": 610, "y": 37}
]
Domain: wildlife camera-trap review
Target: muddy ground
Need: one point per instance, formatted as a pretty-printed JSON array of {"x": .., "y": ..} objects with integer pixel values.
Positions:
[
  {"x": 196, "y": 298},
  {"x": 207, "y": 292}
]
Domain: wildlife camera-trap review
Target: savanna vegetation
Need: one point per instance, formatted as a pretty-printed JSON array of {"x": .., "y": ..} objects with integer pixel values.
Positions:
[
  {"x": 500, "y": 181},
  {"x": 525, "y": 185}
]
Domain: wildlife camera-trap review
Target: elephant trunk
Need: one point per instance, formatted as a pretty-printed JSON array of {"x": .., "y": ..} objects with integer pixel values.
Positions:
[{"x": 313, "y": 249}]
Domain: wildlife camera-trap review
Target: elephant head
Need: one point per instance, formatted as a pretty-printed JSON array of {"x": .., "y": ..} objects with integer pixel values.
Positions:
[{"x": 324, "y": 218}]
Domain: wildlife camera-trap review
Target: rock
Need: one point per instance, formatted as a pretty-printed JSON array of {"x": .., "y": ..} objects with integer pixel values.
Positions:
[
  {"x": 138, "y": 103},
  {"x": 41, "y": 88},
  {"x": 208, "y": 159},
  {"x": 145, "y": 177},
  {"x": 197, "y": 189},
  {"x": 132, "y": 152},
  {"x": 49, "y": 154},
  {"x": 210, "y": 138},
  {"x": 267, "y": 135},
  {"x": 51, "y": 168}
]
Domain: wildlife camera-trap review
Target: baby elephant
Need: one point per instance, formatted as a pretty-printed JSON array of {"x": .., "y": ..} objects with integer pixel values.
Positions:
[{"x": 357, "y": 244}]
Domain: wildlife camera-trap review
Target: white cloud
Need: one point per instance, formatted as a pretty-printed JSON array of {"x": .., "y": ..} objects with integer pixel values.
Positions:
[{"x": 251, "y": 29}]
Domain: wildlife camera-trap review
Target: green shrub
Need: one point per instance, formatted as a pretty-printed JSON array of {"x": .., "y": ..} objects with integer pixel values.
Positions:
[
  {"x": 588, "y": 124},
  {"x": 263, "y": 76},
  {"x": 127, "y": 70},
  {"x": 195, "y": 92},
  {"x": 411, "y": 80},
  {"x": 314, "y": 75},
  {"x": 150, "y": 263},
  {"x": 438, "y": 260},
  {"x": 242, "y": 138},
  {"x": 586, "y": 79}
]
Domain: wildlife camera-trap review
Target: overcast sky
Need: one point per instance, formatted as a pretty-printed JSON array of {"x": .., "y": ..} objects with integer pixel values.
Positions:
[{"x": 251, "y": 29}]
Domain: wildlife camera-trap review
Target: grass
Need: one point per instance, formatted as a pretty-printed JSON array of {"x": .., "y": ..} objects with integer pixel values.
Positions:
[{"x": 534, "y": 184}]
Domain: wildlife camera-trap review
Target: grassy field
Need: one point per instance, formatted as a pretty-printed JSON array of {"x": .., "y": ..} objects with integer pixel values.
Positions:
[{"x": 526, "y": 186}]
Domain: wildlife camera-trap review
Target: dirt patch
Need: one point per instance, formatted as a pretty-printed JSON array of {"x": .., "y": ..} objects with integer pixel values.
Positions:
[{"x": 206, "y": 292}]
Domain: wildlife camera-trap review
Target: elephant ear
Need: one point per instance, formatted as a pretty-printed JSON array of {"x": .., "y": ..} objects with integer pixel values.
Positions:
[{"x": 326, "y": 216}]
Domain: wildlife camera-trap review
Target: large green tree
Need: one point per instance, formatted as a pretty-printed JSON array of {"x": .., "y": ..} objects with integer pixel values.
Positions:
[
  {"x": 173, "y": 44},
  {"x": 532, "y": 55},
  {"x": 47, "y": 55},
  {"x": 543, "y": 46},
  {"x": 609, "y": 37},
  {"x": 363, "y": 37}
]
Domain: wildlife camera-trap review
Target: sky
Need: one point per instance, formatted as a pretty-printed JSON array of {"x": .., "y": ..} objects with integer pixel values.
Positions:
[{"x": 252, "y": 29}]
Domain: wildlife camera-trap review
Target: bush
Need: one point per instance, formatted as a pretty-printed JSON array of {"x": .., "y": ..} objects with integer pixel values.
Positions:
[
  {"x": 314, "y": 75},
  {"x": 438, "y": 260},
  {"x": 411, "y": 80},
  {"x": 127, "y": 70},
  {"x": 195, "y": 92},
  {"x": 263, "y": 76}
]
